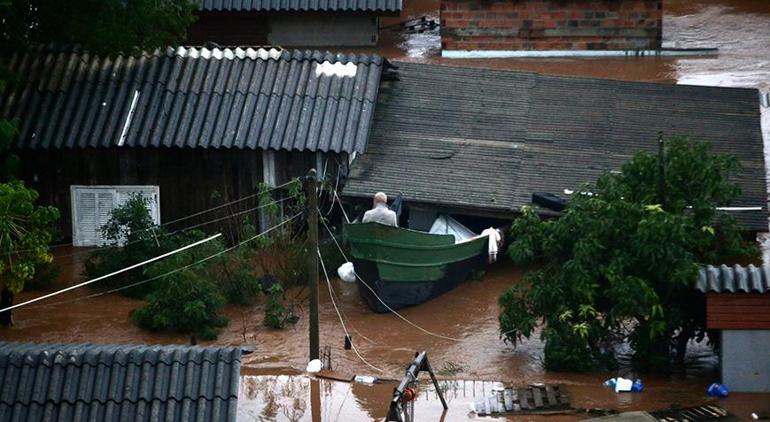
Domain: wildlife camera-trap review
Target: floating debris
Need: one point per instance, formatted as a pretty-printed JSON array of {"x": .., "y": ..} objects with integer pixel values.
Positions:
[
  {"x": 706, "y": 412},
  {"x": 536, "y": 398}
]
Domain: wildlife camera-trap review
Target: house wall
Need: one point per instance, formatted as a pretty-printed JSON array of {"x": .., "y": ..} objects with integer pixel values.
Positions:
[
  {"x": 744, "y": 360},
  {"x": 551, "y": 24},
  {"x": 738, "y": 311},
  {"x": 297, "y": 29},
  {"x": 190, "y": 180},
  {"x": 229, "y": 28}
]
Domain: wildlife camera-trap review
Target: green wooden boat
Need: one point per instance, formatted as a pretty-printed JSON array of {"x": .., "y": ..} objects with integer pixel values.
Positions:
[{"x": 407, "y": 267}]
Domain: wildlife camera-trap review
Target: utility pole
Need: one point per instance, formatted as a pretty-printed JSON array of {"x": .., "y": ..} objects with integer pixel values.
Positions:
[
  {"x": 312, "y": 240},
  {"x": 661, "y": 170}
]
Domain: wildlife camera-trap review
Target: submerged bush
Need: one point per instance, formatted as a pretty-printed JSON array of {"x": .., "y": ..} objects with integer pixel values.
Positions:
[
  {"x": 186, "y": 300},
  {"x": 277, "y": 315},
  {"x": 132, "y": 237}
]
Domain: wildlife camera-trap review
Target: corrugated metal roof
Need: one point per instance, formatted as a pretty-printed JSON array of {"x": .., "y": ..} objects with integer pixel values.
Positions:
[
  {"x": 487, "y": 139},
  {"x": 302, "y": 5},
  {"x": 188, "y": 97},
  {"x": 734, "y": 279},
  {"x": 76, "y": 382}
]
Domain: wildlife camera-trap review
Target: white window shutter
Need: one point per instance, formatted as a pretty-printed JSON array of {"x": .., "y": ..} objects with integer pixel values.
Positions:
[
  {"x": 105, "y": 203},
  {"x": 92, "y": 208},
  {"x": 84, "y": 233}
]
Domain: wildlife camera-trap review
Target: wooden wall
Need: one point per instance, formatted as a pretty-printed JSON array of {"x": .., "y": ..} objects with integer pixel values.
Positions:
[
  {"x": 229, "y": 28},
  {"x": 738, "y": 311},
  {"x": 294, "y": 29},
  {"x": 189, "y": 180}
]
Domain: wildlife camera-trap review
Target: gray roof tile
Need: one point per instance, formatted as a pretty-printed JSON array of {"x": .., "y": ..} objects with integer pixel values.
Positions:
[
  {"x": 734, "y": 279},
  {"x": 487, "y": 139},
  {"x": 302, "y": 5},
  {"x": 69, "y": 382},
  {"x": 195, "y": 98}
]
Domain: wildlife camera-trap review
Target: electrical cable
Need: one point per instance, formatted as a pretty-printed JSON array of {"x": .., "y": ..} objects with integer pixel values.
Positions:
[
  {"x": 122, "y": 270},
  {"x": 78, "y": 253},
  {"x": 174, "y": 270},
  {"x": 176, "y": 220},
  {"x": 331, "y": 295},
  {"x": 380, "y": 299}
]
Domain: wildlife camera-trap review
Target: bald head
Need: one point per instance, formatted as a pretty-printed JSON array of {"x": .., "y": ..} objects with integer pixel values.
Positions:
[{"x": 380, "y": 198}]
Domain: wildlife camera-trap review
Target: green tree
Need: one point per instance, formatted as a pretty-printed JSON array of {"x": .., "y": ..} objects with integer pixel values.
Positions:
[
  {"x": 620, "y": 263},
  {"x": 26, "y": 229},
  {"x": 99, "y": 26}
]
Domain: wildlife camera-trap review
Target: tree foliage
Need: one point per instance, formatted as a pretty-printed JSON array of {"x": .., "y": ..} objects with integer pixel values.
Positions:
[
  {"x": 26, "y": 229},
  {"x": 100, "y": 26},
  {"x": 620, "y": 263}
]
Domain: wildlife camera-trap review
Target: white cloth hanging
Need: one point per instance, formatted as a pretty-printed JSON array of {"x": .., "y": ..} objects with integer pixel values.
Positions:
[{"x": 495, "y": 239}]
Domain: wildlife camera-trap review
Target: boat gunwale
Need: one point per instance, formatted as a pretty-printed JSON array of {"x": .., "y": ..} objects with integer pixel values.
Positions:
[{"x": 408, "y": 246}]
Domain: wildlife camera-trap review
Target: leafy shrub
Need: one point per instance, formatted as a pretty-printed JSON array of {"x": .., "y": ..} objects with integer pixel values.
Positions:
[
  {"x": 237, "y": 278},
  {"x": 185, "y": 301},
  {"x": 132, "y": 237},
  {"x": 277, "y": 315}
]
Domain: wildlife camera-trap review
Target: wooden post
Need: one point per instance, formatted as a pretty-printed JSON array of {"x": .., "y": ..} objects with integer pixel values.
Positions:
[
  {"x": 661, "y": 170},
  {"x": 312, "y": 240}
]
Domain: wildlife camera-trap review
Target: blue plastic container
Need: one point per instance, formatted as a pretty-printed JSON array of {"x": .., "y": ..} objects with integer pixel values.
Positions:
[{"x": 717, "y": 390}]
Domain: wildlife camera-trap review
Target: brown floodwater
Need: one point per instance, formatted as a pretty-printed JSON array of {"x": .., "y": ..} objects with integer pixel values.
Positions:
[{"x": 272, "y": 384}]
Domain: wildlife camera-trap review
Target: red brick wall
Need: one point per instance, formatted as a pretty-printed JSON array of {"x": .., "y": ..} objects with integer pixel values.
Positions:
[
  {"x": 738, "y": 311},
  {"x": 551, "y": 24}
]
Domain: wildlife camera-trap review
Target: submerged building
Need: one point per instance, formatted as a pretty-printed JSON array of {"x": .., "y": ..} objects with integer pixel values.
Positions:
[
  {"x": 291, "y": 23},
  {"x": 504, "y": 28},
  {"x": 189, "y": 128},
  {"x": 480, "y": 142},
  {"x": 738, "y": 306}
]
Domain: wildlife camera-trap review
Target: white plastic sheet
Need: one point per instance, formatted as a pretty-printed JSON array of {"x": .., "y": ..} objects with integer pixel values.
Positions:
[{"x": 445, "y": 224}]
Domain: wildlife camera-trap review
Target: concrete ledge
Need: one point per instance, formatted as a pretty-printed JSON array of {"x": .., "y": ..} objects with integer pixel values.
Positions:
[{"x": 505, "y": 54}]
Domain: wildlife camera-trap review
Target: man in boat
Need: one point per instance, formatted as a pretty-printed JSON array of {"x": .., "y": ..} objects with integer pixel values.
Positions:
[{"x": 380, "y": 213}]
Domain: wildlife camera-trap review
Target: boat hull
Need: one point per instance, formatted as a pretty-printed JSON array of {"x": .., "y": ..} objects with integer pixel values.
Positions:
[
  {"x": 405, "y": 267},
  {"x": 402, "y": 294}
]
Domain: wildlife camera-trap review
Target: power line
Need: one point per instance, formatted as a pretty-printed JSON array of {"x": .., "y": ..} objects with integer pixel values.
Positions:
[
  {"x": 380, "y": 299},
  {"x": 78, "y": 253},
  {"x": 331, "y": 295},
  {"x": 176, "y": 269},
  {"x": 196, "y": 214},
  {"x": 131, "y": 267}
]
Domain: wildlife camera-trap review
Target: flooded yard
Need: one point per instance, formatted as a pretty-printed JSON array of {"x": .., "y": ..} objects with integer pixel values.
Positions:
[{"x": 273, "y": 386}]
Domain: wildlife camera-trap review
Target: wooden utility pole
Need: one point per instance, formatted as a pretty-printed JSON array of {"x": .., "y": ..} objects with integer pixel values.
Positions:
[
  {"x": 661, "y": 170},
  {"x": 312, "y": 241}
]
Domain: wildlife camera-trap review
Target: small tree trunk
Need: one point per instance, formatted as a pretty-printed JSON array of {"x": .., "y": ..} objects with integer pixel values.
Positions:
[{"x": 6, "y": 300}]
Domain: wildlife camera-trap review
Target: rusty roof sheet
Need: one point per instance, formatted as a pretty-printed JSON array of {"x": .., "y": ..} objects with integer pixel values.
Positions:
[
  {"x": 733, "y": 279},
  {"x": 194, "y": 98}
]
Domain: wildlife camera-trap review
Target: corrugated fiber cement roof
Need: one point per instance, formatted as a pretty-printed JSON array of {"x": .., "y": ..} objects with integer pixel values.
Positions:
[
  {"x": 87, "y": 382},
  {"x": 195, "y": 98},
  {"x": 302, "y": 5},
  {"x": 733, "y": 279},
  {"x": 481, "y": 139}
]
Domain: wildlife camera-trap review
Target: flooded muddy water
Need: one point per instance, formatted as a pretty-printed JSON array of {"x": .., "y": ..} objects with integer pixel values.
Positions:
[{"x": 272, "y": 386}]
